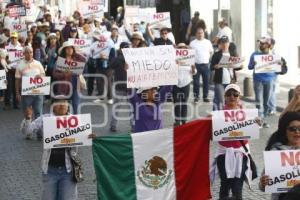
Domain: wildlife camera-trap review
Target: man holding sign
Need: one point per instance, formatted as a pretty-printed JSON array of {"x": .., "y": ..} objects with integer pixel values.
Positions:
[{"x": 32, "y": 68}]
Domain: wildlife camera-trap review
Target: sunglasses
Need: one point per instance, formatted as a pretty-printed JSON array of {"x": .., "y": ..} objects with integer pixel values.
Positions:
[
  {"x": 293, "y": 128},
  {"x": 235, "y": 94}
]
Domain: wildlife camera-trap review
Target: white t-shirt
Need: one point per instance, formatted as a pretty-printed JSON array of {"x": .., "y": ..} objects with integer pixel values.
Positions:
[
  {"x": 226, "y": 78},
  {"x": 225, "y": 31},
  {"x": 203, "y": 49},
  {"x": 185, "y": 75}
]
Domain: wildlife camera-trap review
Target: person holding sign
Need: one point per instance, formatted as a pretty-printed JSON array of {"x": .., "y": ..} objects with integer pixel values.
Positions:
[
  {"x": 33, "y": 68},
  {"x": 68, "y": 52},
  {"x": 231, "y": 158},
  {"x": 59, "y": 179},
  {"x": 287, "y": 137},
  {"x": 163, "y": 39}
]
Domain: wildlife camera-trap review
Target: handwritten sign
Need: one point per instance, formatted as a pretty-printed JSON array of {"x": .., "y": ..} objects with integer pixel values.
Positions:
[
  {"x": 36, "y": 86},
  {"x": 67, "y": 131},
  {"x": 15, "y": 57},
  {"x": 267, "y": 63},
  {"x": 3, "y": 82},
  {"x": 283, "y": 169},
  {"x": 160, "y": 20},
  {"x": 231, "y": 62},
  {"x": 73, "y": 66},
  {"x": 151, "y": 66},
  {"x": 185, "y": 56},
  {"x": 235, "y": 125}
]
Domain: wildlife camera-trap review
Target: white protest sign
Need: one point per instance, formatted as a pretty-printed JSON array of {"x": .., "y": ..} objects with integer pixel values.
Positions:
[
  {"x": 185, "y": 56},
  {"x": 20, "y": 28},
  {"x": 67, "y": 131},
  {"x": 83, "y": 44},
  {"x": 14, "y": 58},
  {"x": 160, "y": 20},
  {"x": 267, "y": 63},
  {"x": 35, "y": 85},
  {"x": 151, "y": 66},
  {"x": 144, "y": 14},
  {"x": 73, "y": 66},
  {"x": 100, "y": 47},
  {"x": 231, "y": 62},
  {"x": 131, "y": 15},
  {"x": 235, "y": 125},
  {"x": 89, "y": 9},
  {"x": 283, "y": 169},
  {"x": 16, "y": 11},
  {"x": 3, "y": 82}
]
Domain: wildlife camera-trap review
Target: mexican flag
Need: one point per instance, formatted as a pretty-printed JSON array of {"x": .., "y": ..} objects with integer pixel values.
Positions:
[{"x": 165, "y": 164}]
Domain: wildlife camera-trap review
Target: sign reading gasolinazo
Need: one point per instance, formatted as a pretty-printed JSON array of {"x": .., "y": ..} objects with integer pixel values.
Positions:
[
  {"x": 283, "y": 169},
  {"x": 36, "y": 85},
  {"x": 73, "y": 66},
  {"x": 66, "y": 131},
  {"x": 235, "y": 125},
  {"x": 151, "y": 66}
]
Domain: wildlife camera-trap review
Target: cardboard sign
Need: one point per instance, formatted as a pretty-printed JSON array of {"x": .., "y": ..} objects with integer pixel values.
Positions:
[
  {"x": 160, "y": 20},
  {"x": 235, "y": 125},
  {"x": 20, "y": 28},
  {"x": 231, "y": 62},
  {"x": 283, "y": 169},
  {"x": 67, "y": 131},
  {"x": 15, "y": 57},
  {"x": 267, "y": 63},
  {"x": 16, "y": 11},
  {"x": 36, "y": 86},
  {"x": 151, "y": 66},
  {"x": 73, "y": 66},
  {"x": 3, "y": 82},
  {"x": 83, "y": 44},
  {"x": 185, "y": 56}
]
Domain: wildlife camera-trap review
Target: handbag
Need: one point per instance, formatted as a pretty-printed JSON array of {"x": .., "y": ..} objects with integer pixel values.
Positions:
[
  {"x": 252, "y": 163},
  {"x": 77, "y": 170}
]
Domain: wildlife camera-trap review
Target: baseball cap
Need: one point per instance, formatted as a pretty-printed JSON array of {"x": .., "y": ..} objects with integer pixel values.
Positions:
[
  {"x": 264, "y": 40},
  {"x": 124, "y": 45},
  {"x": 223, "y": 39},
  {"x": 234, "y": 87},
  {"x": 14, "y": 35}
]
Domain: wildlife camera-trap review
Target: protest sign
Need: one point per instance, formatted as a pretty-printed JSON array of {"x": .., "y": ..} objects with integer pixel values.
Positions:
[
  {"x": 89, "y": 9},
  {"x": 73, "y": 66},
  {"x": 35, "y": 85},
  {"x": 67, "y": 131},
  {"x": 231, "y": 62},
  {"x": 267, "y": 63},
  {"x": 283, "y": 169},
  {"x": 151, "y": 66},
  {"x": 185, "y": 56},
  {"x": 3, "y": 82},
  {"x": 160, "y": 20},
  {"x": 131, "y": 15},
  {"x": 20, "y": 28},
  {"x": 14, "y": 58},
  {"x": 16, "y": 11},
  {"x": 235, "y": 125},
  {"x": 101, "y": 47},
  {"x": 83, "y": 44}
]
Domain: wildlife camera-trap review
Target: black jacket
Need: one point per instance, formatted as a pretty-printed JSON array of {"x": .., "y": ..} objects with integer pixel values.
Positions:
[{"x": 120, "y": 73}]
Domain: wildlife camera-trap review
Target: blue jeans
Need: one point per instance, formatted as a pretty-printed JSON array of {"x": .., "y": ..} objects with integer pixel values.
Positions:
[
  {"x": 203, "y": 70},
  {"x": 262, "y": 96},
  {"x": 58, "y": 184},
  {"x": 218, "y": 101},
  {"x": 272, "y": 101},
  {"x": 36, "y": 102}
]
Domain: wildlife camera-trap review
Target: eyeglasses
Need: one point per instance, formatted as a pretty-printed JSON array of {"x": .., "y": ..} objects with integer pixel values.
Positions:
[
  {"x": 293, "y": 128},
  {"x": 235, "y": 94}
]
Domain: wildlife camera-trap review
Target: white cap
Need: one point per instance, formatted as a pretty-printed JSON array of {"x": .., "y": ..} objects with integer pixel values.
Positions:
[
  {"x": 234, "y": 87},
  {"x": 140, "y": 90}
]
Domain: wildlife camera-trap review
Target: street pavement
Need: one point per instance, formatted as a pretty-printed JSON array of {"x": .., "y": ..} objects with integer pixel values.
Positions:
[{"x": 20, "y": 159}]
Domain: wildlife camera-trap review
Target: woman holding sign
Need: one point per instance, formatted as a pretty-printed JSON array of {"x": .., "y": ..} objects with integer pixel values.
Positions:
[
  {"x": 60, "y": 176},
  {"x": 287, "y": 137}
]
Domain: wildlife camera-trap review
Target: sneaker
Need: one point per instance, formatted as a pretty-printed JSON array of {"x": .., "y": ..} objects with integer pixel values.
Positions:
[
  {"x": 196, "y": 100},
  {"x": 98, "y": 100},
  {"x": 110, "y": 101},
  {"x": 113, "y": 129},
  {"x": 206, "y": 100},
  {"x": 265, "y": 125}
]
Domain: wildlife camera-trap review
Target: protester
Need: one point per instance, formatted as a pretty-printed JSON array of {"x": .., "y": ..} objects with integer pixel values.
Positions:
[
  {"x": 136, "y": 39},
  {"x": 233, "y": 152},
  {"x": 67, "y": 29},
  {"x": 204, "y": 50},
  {"x": 120, "y": 16},
  {"x": 116, "y": 38},
  {"x": 181, "y": 91},
  {"x": 146, "y": 107},
  {"x": 294, "y": 104},
  {"x": 222, "y": 76},
  {"x": 163, "y": 39},
  {"x": 195, "y": 23},
  {"x": 224, "y": 30},
  {"x": 39, "y": 53},
  {"x": 52, "y": 53},
  {"x": 285, "y": 138},
  {"x": 57, "y": 163},
  {"x": 68, "y": 52}
]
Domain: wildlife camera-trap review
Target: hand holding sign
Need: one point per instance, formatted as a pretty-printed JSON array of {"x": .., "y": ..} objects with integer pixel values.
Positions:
[{"x": 267, "y": 63}]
